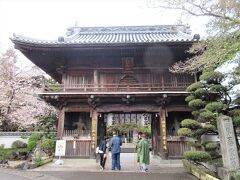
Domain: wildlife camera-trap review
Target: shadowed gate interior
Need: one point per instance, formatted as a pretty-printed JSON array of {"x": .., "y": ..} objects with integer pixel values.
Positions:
[
  {"x": 175, "y": 144},
  {"x": 78, "y": 131}
]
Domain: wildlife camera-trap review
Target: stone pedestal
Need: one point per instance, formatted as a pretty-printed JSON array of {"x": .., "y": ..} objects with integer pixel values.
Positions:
[{"x": 228, "y": 147}]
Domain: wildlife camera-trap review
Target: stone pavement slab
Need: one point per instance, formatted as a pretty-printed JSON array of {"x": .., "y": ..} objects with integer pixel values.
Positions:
[
  {"x": 128, "y": 164},
  {"x": 88, "y": 169}
]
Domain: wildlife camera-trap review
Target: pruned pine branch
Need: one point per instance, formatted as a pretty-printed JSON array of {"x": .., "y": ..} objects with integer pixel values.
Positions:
[{"x": 190, "y": 66}]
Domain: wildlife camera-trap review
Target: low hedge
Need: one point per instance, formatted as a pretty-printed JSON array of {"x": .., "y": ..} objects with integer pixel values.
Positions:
[{"x": 197, "y": 156}]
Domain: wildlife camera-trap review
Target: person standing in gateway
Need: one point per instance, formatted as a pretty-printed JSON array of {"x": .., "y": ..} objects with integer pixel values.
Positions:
[
  {"x": 115, "y": 143},
  {"x": 102, "y": 152},
  {"x": 144, "y": 155}
]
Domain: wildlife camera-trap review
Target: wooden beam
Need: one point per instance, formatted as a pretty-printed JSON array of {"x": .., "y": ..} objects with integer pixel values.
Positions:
[{"x": 125, "y": 108}]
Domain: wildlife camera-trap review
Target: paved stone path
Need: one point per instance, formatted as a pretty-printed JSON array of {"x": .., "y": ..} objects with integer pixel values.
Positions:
[{"x": 88, "y": 169}]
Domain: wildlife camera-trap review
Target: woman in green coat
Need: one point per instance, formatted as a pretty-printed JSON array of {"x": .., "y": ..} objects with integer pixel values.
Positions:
[
  {"x": 137, "y": 146},
  {"x": 143, "y": 153}
]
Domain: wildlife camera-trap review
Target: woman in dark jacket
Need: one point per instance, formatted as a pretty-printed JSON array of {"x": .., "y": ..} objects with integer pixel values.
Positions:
[{"x": 102, "y": 152}]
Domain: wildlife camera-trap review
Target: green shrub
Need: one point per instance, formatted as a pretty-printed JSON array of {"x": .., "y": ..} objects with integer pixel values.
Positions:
[
  {"x": 1, "y": 146},
  {"x": 35, "y": 137},
  {"x": 193, "y": 87},
  {"x": 211, "y": 146},
  {"x": 38, "y": 161},
  {"x": 218, "y": 88},
  {"x": 190, "y": 123},
  {"x": 206, "y": 116},
  {"x": 195, "y": 113},
  {"x": 200, "y": 92},
  {"x": 210, "y": 128},
  {"x": 199, "y": 132},
  {"x": 194, "y": 144},
  {"x": 197, "y": 156},
  {"x": 31, "y": 145},
  {"x": 47, "y": 145},
  {"x": 236, "y": 121},
  {"x": 18, "y": 144},
  {"x": 234, "y": 112},
  {"x": 185, "y": 132},
  {"x": 196, "y": 103},
  {"x": 214, "y": 154},
  {"x": 189, "y": 98},
  {"x": 212, "y": 77},
  {"x": 214, "y": 106},
  {"x": 4, "y": 154}
]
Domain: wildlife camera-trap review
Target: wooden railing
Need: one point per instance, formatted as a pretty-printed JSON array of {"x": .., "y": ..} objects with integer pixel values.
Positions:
[
  {"x": 77, "y": 132},
  {"x": 79, "y": 148},
  {"x": 142, "y": 87}
]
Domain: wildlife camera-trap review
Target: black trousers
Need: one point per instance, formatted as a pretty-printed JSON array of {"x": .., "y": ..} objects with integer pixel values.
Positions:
[{"x": 102, "y": 160}]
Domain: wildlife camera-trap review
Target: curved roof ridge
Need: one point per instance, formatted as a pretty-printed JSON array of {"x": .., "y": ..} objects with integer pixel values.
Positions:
[{"x": 129, "y": 29}]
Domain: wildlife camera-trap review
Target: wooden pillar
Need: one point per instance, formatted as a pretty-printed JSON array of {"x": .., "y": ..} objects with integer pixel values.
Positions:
[
  {"x": 61, "y": 117},
  {"x": 155, "y": 135},
  {"x": 95, "y": 79},
  {"x": 94, "y": 131},
  {"x": 64, "y": 81},
  {"x": 163, "y": 145}
]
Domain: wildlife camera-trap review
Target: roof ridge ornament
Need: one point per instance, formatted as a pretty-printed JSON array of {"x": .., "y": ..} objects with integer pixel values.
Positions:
[
  {"x": 60, "y": 39},
  {"x": 196, "y": 37}
]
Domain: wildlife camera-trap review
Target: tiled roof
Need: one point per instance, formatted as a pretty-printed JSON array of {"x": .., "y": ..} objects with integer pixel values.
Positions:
[{"x": 119, "y": 35}]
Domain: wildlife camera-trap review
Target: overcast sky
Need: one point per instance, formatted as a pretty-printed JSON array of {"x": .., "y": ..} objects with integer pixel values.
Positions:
[{"x": 48, "y": 19}]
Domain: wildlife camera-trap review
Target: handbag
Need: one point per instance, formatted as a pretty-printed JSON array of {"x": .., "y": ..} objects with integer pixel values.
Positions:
[{"x": 97, "y": 150}]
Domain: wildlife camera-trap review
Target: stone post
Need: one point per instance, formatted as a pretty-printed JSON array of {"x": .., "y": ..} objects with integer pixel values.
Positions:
[{"x": 228, "y": 147}]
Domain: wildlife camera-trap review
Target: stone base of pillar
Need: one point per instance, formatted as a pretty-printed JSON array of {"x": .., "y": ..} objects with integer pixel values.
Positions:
[
  {"x": 164, "y": 155},
  {"x": 227, "y": 174}
]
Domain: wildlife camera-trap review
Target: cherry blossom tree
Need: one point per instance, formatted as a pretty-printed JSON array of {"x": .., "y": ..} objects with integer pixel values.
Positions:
[{"x": 20, "y": 107}]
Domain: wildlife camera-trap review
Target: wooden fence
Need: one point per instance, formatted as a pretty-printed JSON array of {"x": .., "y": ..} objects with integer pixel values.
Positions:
[
  {"x": 176, "y": 148},
  {"x": 78, "y": 148}
]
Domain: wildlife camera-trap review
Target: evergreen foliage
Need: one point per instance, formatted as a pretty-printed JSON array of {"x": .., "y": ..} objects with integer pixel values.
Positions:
[
  {"x": 197, "y": 156},
  {"x": 190, "y": 123},
  {"x": 185, "y": 132},
  {"x": 196, "y": 103}
]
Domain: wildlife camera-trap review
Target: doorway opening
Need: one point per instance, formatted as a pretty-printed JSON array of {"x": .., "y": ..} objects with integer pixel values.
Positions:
[{"x": 127, "y": 126}]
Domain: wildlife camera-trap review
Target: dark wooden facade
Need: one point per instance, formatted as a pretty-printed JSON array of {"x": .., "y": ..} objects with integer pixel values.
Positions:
[{"x": 114, "y": 69}]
